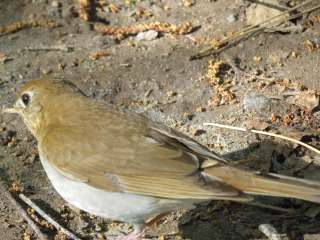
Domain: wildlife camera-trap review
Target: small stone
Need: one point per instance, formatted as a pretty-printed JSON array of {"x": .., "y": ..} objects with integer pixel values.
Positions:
[
  {"x": 147, "y": 36},
  {"x": 232, "y": 18},
  {"x": 258, "y": 103}
]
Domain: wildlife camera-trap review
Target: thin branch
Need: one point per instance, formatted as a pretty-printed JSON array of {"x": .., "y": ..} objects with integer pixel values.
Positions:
[
  {"x": 50, "y": 48},
  {"x": 23, "y": 213},
  {"x": 264, "y": 133},
  {"x": 47, "y": 217}
]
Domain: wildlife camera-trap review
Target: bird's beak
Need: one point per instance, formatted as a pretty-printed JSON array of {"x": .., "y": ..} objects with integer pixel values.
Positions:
[{"x": 17, "y": 108}]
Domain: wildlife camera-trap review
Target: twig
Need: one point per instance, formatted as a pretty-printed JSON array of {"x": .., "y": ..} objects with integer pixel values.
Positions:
[
  {"x": 264, "y": 133},
  {"x": 270, "y": 232},
  {"x": 303, "y": 168},
  {"x": 23, "y": 213},
  {"x": 275, "y": 20},
  {"x": 50, "y": 48},
  {"x": 47, "y": 217}
]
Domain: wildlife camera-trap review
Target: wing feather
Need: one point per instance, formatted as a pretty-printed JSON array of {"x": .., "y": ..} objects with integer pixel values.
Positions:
[{"x": 142, "y": 157}]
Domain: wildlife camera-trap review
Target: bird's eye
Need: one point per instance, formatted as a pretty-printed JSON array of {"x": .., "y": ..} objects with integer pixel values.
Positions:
[{"x": 25, "y": 99}]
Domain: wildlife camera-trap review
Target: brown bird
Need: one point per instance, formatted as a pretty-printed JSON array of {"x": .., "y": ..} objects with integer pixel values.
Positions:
[{"x": 123, "y": 166}]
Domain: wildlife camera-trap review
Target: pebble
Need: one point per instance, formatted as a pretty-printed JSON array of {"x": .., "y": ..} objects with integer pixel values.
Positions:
[
  {"x": 258, "y": 102},
  {"x": 232, "y": 18},
  {"x": 147, "y": 36}
]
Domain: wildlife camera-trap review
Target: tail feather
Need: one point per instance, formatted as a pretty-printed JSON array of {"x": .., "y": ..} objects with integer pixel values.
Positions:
[{"x": 270, "y": 184}]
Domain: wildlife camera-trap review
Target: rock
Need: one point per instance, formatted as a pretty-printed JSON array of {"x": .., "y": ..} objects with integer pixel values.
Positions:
[
  {"x": 257, "y": 13},
  {"x": 259, "y": 103},
  {"x": 147, "y": 36}
]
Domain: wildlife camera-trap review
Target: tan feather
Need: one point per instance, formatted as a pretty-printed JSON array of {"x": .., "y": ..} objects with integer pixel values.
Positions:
[{"x": 269, "y": 184}]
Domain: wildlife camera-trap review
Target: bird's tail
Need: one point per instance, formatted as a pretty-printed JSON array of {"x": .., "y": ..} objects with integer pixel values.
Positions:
[{"x": 268, "y": 185}]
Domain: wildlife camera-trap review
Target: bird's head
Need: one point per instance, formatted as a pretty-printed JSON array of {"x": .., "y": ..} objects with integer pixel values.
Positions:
[{"x": 40, "y": 102}]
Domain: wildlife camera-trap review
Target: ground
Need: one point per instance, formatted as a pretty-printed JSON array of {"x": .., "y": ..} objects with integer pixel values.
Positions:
[{"x": 268, "y": 81}]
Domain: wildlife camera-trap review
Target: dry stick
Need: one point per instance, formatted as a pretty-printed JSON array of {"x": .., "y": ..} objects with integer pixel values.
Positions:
[
  {"x": 256, "y": 27},
  {"x": 23, "y": 213},
  {"x": 47, "y": 217},
  {"x": 50, "y": 48},
  {"x": 264, "y": 133}
]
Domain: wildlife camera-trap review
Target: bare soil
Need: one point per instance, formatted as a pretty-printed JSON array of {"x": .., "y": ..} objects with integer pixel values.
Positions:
[{"x": 157, "y": 77}]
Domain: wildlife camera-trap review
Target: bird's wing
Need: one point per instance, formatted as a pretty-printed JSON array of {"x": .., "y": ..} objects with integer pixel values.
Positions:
[{"x": 130, "y": 154}]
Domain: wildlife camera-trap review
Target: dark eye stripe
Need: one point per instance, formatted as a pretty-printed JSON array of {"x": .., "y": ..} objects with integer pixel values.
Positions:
[{"x": 25, "y": 98}]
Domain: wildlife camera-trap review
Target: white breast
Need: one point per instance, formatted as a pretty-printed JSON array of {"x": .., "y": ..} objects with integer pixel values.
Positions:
[{"x": 117, "y": 206}]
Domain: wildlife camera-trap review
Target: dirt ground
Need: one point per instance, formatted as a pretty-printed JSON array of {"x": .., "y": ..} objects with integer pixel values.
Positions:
[{"x": 269, "y": 81}]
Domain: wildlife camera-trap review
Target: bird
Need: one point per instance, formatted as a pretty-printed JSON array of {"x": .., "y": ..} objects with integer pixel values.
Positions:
[{"x": 121, "y": 165}]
